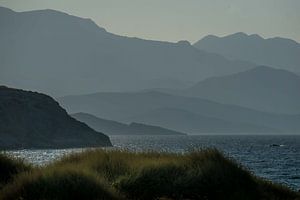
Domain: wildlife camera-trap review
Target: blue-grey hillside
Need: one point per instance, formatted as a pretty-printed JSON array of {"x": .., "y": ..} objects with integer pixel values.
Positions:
[
  {"x": 196, "y": 123},
  {"x": 34, "y": 120},
  {"x": 111, "y": 127},
  {"x": 276, "y": 52},
  {"x": 262, "y": 88},
  {"x": 185, "y": 114},
  {"x": 60, "y": 54}
]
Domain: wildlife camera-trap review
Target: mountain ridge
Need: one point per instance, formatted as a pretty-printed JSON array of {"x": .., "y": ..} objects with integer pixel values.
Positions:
[
  {"x": 261, "y": 88},
  {"x": 276, "y": 51},
  {"x": 128, "y": 107},
  {"x": 112, "y": 127},
  {"x": 53, "y": 52}
]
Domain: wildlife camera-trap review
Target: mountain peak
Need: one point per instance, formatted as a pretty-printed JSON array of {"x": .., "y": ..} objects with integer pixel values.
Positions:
[
  {"x": 184, "y": 43},
  {"x": 256, "y": 36},
  {"x": 50, "y": 16},
  {"x": 243, "y": 36},
  {"x": 208, "y": 37},
  {"x": 277, "y": 52},
  {"x": 5, "y": 11},
  {"x": 238, "y": 34}
]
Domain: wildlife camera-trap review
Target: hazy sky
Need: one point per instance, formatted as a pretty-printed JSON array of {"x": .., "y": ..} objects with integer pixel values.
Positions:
[{"x": 173, "y": 20}]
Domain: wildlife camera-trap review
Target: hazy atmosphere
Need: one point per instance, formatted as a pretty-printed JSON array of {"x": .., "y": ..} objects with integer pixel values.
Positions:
[
  {"x": 174, "y": 20},
  {"x": 149, "y": 100}
]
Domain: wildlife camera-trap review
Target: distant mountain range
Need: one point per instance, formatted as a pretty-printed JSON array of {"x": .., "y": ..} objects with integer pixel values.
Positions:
[
  {"x": 276, "y": 52},
  {"x": 34, "y": 120},
  {"x": 60, "y": 54},
  {"x": 262, "y": 88},
  {"x": 235, "y": 84},
  {"x": 184, "y": 114},
  {"x": 197, "y": 123},
  {"x": 111, "y": 127}
]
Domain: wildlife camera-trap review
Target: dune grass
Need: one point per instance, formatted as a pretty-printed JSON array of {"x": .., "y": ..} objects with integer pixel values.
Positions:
[
  {"x": 10, "y": 167},
  {"x": 101, "y": 174}
]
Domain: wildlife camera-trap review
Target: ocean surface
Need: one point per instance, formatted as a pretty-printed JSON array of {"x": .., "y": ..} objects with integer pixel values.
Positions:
[{"x": 276, "y": 158}]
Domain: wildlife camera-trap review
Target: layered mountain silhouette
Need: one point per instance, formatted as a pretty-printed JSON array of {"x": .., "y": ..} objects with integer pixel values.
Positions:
[
  {"x": 213, "y": 86},
  {"x": 185, "y": 114},
  {"x": 116, "y": 128},
  {"x": 262, "y": 88},
  {"x": 60, "y": 54},
  {"x": 276, "y": 52},
  {"x": 196, "y": 123},
  {"x": 34, "y": 120}
]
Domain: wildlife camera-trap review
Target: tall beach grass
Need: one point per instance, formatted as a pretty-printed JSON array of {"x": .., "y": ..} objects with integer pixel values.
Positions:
[{"x": 102, "y": 174}]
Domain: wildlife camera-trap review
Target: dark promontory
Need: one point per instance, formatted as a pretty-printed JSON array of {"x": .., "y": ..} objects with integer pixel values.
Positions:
[{"x": 34, "y": 120}]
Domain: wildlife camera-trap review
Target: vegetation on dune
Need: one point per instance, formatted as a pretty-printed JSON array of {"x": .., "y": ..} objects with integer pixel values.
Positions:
[
  {"x": 9, "y": 167},
  {"x": 101, "y": 174},
  {"x": 59, "y": 185}
]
